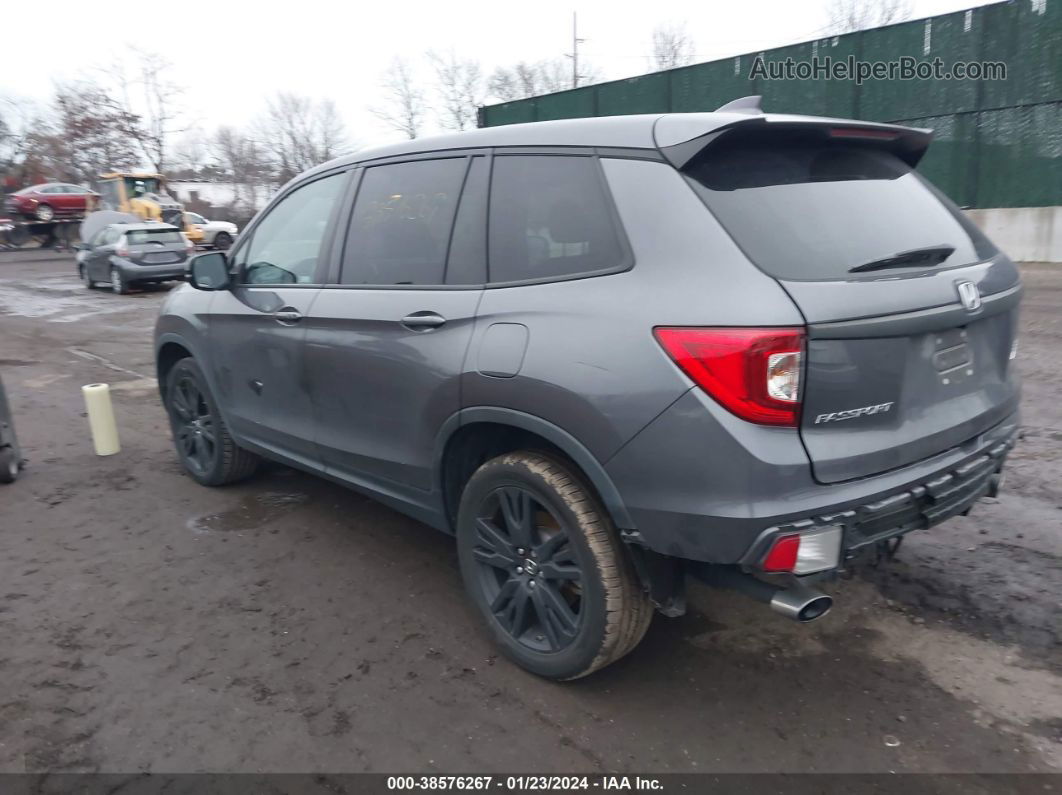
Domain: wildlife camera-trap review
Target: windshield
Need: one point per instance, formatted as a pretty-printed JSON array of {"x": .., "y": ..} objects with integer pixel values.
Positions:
[
  {"x": 146, "y": 185},
  {"x": 814, "y": 209},
  {"x": 138, "y": 237}
]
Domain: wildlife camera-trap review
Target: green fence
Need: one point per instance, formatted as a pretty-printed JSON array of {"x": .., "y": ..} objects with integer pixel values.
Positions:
[{"x": 998, "y": 142}]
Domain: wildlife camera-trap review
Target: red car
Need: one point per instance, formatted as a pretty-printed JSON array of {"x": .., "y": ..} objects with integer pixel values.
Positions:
[{"x": 50, "y": 200}]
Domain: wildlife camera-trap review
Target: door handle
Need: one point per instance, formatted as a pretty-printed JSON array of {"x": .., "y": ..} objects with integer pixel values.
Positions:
[
  {"x": 287, "y": 316},
  {"x": 423, "y": 321}
]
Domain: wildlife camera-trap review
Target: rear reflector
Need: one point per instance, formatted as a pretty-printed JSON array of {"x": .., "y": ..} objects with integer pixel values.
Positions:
[
  {"x": 806, "y": 553},
  {"x": 752, "y": 372},
  {"x": 783, "y": 554}
]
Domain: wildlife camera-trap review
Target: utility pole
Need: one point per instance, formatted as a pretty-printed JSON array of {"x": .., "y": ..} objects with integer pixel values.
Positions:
[{"x": 576, "y": 41}]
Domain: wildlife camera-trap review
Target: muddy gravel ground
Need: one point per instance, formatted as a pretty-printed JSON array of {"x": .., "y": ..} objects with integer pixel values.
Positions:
[{"x": 286, "y": 624}]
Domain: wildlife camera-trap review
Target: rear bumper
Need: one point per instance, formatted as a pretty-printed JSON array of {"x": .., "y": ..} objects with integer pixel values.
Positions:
[
  {"x": 141, "y": 273},
  {"x": 702, "y": 485}
]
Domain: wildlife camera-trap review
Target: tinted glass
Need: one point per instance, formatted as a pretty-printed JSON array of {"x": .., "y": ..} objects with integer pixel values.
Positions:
[
  {"x": 287, "y": 242},
  {"x": 812, "y": 210},
  {"x": 400, "y": 229},
  {"x": 467, "y": 263},
  {"x": 140, "y": 237},
  {"x": 550, "y": 217}
]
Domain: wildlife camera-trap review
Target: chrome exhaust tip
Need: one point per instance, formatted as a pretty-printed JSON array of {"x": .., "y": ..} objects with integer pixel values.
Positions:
[{"x": 801, "y": 604}]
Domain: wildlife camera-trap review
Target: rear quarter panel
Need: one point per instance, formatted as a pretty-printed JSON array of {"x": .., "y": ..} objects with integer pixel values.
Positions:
[{"x": 592, "y": 365}]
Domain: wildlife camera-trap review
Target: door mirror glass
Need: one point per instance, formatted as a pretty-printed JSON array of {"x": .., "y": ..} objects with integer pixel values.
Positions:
[
  {"x": 268, "y": 273},
  {"x": 209, "y": 271}
]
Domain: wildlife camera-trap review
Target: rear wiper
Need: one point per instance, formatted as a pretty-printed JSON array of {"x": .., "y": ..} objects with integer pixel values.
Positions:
[{"x": 930, "y": 255}]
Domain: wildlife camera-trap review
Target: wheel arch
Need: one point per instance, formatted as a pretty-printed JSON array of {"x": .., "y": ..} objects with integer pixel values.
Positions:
[{"x": 503, "y": 429}]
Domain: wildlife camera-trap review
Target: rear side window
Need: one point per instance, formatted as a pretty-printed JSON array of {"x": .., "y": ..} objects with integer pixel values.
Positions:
[
  {"x": 400, "y": 228},
  {"x": 139, "y": 237},
  {"x": 814, "y": 209},
  {"x": 550, "y": 217}
]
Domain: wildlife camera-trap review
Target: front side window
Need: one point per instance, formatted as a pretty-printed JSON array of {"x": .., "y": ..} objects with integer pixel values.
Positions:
[
  {"x": 286, "y": 244},
  {"x": 550, "y": 218},
  {"x": 400, "y": 228}
]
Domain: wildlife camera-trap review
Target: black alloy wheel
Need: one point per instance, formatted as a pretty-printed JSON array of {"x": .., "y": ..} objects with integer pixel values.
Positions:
[{"x": 528, "y": 570}]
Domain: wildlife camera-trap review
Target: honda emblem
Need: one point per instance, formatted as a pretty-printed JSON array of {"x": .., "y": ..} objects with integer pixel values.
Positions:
[{"x": 969, "y": 295}]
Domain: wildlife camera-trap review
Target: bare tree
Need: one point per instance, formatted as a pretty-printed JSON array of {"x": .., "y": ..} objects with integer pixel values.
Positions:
[
  {"x": 82, "y": 134},
  {"x": 243, "y": 161},
  {"x": 18, "y": 120},
  {"x": 155, "y": 101},
  {"x": 299, "y": 133},
  {"x": 525, "y": 79},
  {"x": 190, "y": 152},
  {"x": 459, "y": 85},
  {"x": 93, "y": 132},
  {"x": 845, "y": 16},
  {"x": 672, "y": 46},
  {"x": 404, "y": 106}
]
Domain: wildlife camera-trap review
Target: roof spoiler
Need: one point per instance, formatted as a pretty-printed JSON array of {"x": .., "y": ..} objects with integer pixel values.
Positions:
[{"x": 681, "y": 139}]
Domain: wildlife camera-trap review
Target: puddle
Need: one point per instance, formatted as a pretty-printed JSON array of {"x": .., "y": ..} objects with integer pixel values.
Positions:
[
  {"x": 252, "y": 511},
  {"x": 57, "y": 300}
]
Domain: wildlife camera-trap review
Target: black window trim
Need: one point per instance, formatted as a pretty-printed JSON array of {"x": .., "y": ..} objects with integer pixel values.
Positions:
[
  {"x": 339, "y": 250},
  {"x": 323, "y": 263},
  {"x": 627, "y": 260}
]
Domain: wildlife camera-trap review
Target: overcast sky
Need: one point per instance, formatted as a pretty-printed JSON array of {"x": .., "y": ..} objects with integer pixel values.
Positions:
[{"x": 232, "y": 54}]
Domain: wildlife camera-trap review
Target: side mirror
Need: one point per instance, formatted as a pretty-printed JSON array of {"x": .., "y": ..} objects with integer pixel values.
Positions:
[{"x": 209, "y": 271}]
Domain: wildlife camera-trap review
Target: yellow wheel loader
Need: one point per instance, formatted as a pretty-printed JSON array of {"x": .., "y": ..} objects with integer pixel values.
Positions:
[{"x": 144, "y": 195}]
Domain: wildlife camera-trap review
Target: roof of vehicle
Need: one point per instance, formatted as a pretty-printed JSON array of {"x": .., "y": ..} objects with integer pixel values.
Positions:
[
  {"x": 644, "y": 131},
  {"x": 37, "y": 187},
  {"x": 147, "y": 225}
]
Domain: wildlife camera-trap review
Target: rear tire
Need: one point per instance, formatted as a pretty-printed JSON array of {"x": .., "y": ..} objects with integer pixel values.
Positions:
[
  {"x": 8, "y": 465},
  {"x": 119, "y": 286},
  {"x": 204, "y": 445},
  {"x": 545, "y": 566}
]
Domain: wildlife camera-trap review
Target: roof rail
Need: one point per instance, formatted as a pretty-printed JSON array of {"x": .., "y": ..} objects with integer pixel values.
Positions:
[{"x": 750, "y": 105}]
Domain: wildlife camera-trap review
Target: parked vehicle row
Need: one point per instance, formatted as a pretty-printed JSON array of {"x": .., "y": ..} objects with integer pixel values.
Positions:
[{"x": 610, "y": 353}]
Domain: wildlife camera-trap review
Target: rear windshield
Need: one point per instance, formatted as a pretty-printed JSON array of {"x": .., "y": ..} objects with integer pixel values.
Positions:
[
  {"x": 138, "y": 237},
  {"x": 813, "y": 209}
]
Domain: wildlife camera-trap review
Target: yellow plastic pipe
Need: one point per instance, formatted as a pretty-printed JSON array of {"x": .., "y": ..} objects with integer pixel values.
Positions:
[{"x": 101, "y": 418}]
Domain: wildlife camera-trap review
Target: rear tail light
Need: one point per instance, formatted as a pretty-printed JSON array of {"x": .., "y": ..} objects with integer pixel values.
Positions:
[
  {"x": 805, "y": 553},
  {"x": 189, "y": 247},
  {"x": 122, "y": 250},
  {"x": 752, "y": 372}
]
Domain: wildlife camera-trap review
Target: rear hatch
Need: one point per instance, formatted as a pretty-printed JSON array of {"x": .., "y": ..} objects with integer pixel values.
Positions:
[
  {"x": 911, "y": 312},
  {"x": 162, "y": 246}
]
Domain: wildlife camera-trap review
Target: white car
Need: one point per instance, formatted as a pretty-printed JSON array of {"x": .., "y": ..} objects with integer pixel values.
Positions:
[{"x": 216, "y": 234}]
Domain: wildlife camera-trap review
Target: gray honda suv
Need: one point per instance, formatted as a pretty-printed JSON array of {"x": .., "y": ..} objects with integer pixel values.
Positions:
[{"x": 607, "y": 354}]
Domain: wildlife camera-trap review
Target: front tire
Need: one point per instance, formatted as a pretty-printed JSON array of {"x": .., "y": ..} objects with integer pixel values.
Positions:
[
  {"x": 222, "y": 241},
  {"x": 545, "y": 566},
  {"x": 82, "y": 271},
  {"x": 45, "y": 212},
  {"x": 204, "y": 445}
]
